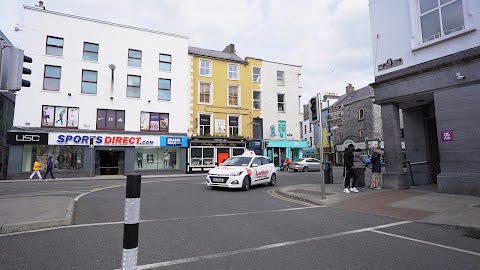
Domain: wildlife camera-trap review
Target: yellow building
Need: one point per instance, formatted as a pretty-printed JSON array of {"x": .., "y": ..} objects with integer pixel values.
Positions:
[{"x": 223, "y": 111}]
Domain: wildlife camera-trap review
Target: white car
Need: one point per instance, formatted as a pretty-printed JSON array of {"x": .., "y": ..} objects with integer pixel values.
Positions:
[{"x": 242, "y": 172}]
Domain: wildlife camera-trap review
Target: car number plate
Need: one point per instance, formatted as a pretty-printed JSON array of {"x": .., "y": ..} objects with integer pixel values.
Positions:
[{"x": 217, "y": 180}]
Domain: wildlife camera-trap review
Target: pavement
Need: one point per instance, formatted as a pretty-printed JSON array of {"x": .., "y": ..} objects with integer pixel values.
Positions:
[{"x": 419, "y": 203}]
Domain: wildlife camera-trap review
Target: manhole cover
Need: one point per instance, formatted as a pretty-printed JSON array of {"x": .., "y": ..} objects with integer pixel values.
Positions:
[
  {"x": 472, "y": 235},
  {"x": 310, "y": 192}
]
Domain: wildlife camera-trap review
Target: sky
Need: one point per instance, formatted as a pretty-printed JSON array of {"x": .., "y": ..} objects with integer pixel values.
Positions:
[{"x": 330, "y": 39}]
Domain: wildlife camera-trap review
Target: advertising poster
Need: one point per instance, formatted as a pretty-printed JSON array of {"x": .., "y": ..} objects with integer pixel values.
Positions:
[
  {"x": 48, "y": 115},
  {"x": 164, "y": 122},
  {"x": 60, "y": 116},
  {"x": 219, "y": 125},
  {"x": 144, "y": 121},
  {"x": 72, "y": 117},
  {"x": 154, "y": 121}
]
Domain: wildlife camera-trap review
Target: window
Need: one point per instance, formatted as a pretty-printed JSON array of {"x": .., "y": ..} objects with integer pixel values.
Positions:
[
  {"x": 154, "y": 121},
  {"x": 110, "y": 119},
  {"x": 165, "y": 62},
  {"x": 59, "y": 116},
  {"x": 51, "y": 78},
  {"x": 265, "y": 161},
  {"x": 233, "y": 94},
  {"x": 205, "y": 92},
  {"x": 311, "y": 127},
  {"x": 256, "y": 74},
  {"x": 54, "y": 46},
  {"x": 89, "y": 82},
  {"x": 281, "y": 102},
  {"x": 361, "y": 133},
  {"x": 205, "y": 67},
  {"x": 339, "y": 137},
  {"x": 233, "y": 125},
  {"x": 201, "y": 156},
  {"x": 280, "y": 78},
  {"x": 66, "y": 157},
  {"x": 205, "y": 125},
  {"x": 439, "y": 18},
  {"x": 133, "y": 86},
  {"x": 90, "y": 51},
  {"x": 311, "y": 142},
  {"x": 134, "y": 58},
  {"x": 282, "y": 129},
  {"x": 148, "y": 158},
  {"x": 164, "y": 89},
  {"x": 257, "y": 100},
  {"x": 233, "y": 72},
  {"x": 305, "y": 132},
  {"x": 361, "y": 114}
]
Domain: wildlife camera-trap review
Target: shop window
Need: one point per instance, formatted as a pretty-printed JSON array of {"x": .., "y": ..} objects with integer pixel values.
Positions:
[
  {"x": 155, "y": 158},
  {"x": 154, "y": 121},
  {"x": 59, "y": 116},
  {"x": 238, "y": 151},
  {"x": 110, "y": 119},
  {"x": 205, "y": 124},
  {"x": 65, "y": 157},
  {"x": 201, "y": 156}
]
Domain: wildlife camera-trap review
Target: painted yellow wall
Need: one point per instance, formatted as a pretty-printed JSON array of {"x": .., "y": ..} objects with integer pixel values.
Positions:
[{"x": 220, "y": 82}]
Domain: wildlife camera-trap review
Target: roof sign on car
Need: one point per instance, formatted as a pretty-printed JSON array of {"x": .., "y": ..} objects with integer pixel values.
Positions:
[{"x": 249, "y": 153}]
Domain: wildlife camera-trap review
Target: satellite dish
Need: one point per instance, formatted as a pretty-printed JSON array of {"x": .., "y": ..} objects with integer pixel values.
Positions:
[{"x": 112, "y": 66}]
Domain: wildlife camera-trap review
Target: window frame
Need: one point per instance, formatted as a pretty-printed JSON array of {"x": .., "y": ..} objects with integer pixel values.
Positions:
[
  {"x": 134, "y": 58},
  {"x": 257, "y": 100},
  {"x": 259, "y": 74},
  {"x": 54, "y": 46},
  {"x": 67, "y": 117},
  {"x": 116, "y": 119},
  {"x": 199, "y": 125},
  {"x": 210, "y": 95},
  {"x": 88, "y": 51},
  {"x": 237, "y": 72},
  {"x": 51, "y": 78},
  {"x": 239, "y": 95},
  {"x": 361, "y": 133},
  {"x": 238, "y": 126},
  {"x": 164, "y": 62},
  {"x": 210, "y": 66},
  {"x": 164, "y": 89},
  {"x": 283, "y": 103},
  {"x": 139, "y": 86},
  {"x": 96, "y": 82},
  {"x": 160, "y": 129},
  {"x": 281, "y": 82},
  {"x": 361, "y": 114}
]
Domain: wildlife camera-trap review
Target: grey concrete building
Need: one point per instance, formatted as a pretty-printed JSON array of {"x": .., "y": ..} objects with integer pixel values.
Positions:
[{"x": 431, "y": 72}]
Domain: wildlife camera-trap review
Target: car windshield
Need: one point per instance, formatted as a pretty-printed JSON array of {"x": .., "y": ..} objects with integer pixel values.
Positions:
[{"x": 237, "y": 161}]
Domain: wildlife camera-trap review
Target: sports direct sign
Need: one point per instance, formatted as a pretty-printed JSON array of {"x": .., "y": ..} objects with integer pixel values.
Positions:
[{"x": 57, "y": 138}]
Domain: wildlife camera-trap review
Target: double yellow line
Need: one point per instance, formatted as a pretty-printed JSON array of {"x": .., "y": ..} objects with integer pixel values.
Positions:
[{"x": 274, "y": 193}]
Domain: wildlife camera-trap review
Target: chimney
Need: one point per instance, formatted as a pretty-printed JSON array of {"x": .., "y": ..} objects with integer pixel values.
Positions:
[
  {"x": 230, "y": 48},
  {"x": 350, "y": 89},
  {"x": 40, "y": 5}
]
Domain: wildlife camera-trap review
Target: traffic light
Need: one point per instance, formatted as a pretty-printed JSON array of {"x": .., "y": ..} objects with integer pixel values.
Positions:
[
  {"x": 91, "y": 141},
  {"x": 313, "y": 107},
  {"x": 16, "y": 70}
]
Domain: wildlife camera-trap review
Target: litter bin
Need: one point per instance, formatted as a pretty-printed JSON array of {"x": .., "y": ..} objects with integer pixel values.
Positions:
[{"x": 327, "y": 172}]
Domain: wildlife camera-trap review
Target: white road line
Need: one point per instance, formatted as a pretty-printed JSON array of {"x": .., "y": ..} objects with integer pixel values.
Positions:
[
  {"x": 428, "y": 243},
  {"x": 266, "y": 247},
  {"x": 163, "y": 219}
]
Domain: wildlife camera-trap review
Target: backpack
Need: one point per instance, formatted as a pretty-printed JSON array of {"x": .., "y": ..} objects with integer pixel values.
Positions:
[{"x": 49, "y": 164}]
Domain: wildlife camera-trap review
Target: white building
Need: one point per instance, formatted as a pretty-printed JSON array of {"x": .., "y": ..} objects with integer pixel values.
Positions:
[
  {"x": 124, "y": 86},
  {"x": 281, "y": 113},
  {"x": 426, "y": 59}
]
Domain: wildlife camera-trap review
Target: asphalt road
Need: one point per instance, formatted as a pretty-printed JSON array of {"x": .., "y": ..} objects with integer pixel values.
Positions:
[{"x": 186, "y": 225}]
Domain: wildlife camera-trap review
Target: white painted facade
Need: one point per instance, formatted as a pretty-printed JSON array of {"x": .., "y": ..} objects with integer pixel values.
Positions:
[
  {"x": 396, "y": 33},
  {"x": 291, "y": 89},
  {"x": 308, "y": 133},
  {"x": 114, "y": 42}
]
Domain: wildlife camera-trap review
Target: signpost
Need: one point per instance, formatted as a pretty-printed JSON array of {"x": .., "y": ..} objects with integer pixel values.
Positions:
[{"x": 91, "y": 156}]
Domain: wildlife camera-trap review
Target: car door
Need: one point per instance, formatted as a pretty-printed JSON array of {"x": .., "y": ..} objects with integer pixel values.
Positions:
[
  {"x": 256, "y": 169},
  {"x": 318, "y": 164}
]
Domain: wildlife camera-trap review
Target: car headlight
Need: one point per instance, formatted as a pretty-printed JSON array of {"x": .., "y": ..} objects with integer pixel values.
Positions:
[
  {"x": 235, "y": 182},
  {"x": 236, "y": 173}
]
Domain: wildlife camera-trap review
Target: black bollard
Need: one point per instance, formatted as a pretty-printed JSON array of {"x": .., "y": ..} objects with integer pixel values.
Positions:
[{"x": 131, "y": 222}]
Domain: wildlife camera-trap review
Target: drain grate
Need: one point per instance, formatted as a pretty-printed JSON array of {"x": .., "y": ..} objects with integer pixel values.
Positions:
[{"x": 472, "y": 235}]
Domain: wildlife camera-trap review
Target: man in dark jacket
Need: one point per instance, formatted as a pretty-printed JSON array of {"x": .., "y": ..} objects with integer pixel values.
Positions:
[
  {"x": 49, "y": 168},
  {"x": 350, "y": 171}
]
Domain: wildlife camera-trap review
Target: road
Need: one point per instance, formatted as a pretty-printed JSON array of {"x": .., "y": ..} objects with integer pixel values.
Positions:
[{"x": 186, "y": 225}]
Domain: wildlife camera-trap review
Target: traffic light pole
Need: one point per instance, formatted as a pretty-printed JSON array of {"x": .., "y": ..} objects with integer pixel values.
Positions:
[{"x": 321, "y": 146}]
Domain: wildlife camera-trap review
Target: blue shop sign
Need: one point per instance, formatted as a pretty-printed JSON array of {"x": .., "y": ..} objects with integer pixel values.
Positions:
[{"x": 178, "y": 141}]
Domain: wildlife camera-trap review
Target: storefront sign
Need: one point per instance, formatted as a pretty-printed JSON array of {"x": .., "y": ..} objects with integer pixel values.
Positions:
[
  {"x": 179, "y": 141},
  {"x": 210, "y": 143},
  {"x": 390, "y": 64},
  {"x": 287, "y": 144},
  {"x": 57, "y": 138},
  {"x": 19, "y": 138},
  {"x": 447, "y": 135}
]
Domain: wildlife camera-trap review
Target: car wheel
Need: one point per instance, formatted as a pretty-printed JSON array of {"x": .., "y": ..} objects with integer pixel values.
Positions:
[
  {"x": 246, "y": 183},
  {"x": 305, "y": 169},
  {"x": 273, "y": 180}
]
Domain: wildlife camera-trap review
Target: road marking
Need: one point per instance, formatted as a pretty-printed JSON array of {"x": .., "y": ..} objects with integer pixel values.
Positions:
[
  {"x": 428, "y": 243},
  {"x": 271, "y": 192},
  {"x": 266, "y": 247}
]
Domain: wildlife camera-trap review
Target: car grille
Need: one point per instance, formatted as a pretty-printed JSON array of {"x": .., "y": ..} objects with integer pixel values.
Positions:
[{"x": 218, "y": 179}]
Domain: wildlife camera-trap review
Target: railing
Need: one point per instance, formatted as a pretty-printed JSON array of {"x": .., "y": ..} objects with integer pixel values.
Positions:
[{"x": 409, "y": 163}]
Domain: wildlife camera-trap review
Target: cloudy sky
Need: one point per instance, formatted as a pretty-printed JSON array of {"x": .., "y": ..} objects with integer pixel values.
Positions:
[{"x": 330, "y": 39}]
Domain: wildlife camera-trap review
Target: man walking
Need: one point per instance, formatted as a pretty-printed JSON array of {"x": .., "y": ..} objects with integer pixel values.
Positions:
[
  {"x": 36, "y": 170},
  {"x": 49, "y": 168},
  {"x": 350, "y": 171}
]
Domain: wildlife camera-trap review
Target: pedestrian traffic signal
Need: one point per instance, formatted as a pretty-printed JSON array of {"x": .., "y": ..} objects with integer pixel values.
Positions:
[
  {"x": 15, "y": 82},
  {"x": 91, "y": 141},
  {"x": 313, "y": 110}
]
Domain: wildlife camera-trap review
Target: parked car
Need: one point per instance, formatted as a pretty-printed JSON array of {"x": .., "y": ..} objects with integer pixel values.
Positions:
[{"x": 306, "y": 164}]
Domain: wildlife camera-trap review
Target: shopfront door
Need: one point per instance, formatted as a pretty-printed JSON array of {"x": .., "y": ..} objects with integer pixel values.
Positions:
[
  {"x": 222, "y": 155},
  {"x": 109, "y": 162}
]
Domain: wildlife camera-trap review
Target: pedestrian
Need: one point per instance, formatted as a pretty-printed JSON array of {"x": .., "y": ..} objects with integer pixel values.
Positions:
[
  {"x": 349, "y": 169},
  {"x": 359, "y": 163},
  {"x": 49, "y": 168},
  {"x": 36, "y": 170},
  {"x": 377, "y": 181},
  {"x": 286, "y": 165}
]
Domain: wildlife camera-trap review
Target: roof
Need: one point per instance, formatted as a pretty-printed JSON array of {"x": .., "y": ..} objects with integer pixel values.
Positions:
[
  {"x": 215, "y": 54},
  {"x": 360, "y": 94}
]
